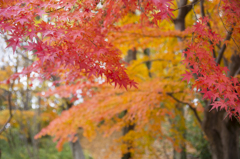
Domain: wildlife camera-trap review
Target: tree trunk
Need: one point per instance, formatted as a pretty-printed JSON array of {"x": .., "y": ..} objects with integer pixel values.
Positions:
[
  {"x": 132, "y": 55},
  {"x": 222, "y": 134},
  {"x": 126, "y": 130},
  {"x": 148, "y": 63},
  {"x": 177, "y": 122},
  {"x": 77, "y": 151},
  {"x": 179, "y": 24},
  {"x": 76, "y": 147}
]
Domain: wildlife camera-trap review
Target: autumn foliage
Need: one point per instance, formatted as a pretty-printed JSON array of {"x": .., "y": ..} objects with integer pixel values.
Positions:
[{"x": 82, "y": 41}]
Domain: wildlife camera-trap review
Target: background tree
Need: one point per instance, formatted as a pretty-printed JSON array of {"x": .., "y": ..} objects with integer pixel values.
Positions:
[{"x": 83, "y": 40}]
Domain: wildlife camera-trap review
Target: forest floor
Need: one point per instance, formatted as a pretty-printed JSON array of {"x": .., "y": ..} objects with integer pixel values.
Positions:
[{"x": 108, "y": 148}]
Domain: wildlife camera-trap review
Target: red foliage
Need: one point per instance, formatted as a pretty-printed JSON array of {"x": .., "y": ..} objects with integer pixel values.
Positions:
[{"x": 74, "y": 44}]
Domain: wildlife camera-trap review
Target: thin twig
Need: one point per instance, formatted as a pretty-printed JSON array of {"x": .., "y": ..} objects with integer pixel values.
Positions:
[
  {"x": 190, "y": 106},
  {"x": 194, "y": 11},
  {"x": 90, "y": 40},
  {"x": 196, "y": 20},
  {"x": 93, "y": 43}
]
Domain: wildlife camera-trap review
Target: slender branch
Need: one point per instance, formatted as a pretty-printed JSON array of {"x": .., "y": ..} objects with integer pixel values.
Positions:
[
  {"x": 202, "y": 8},
  {"x": 93, "y": 43},
  {"x": 183, "y": 12},
  {"x": 10, "y": 111},
  {"x": 90, "y": 40},
  {"x": 187, "y": 5},
  {"x": 149, "y": 61},
  {"x": 194, "y": 12},
  {"x": 208, "y": 24},
  {"x": 190, "y": 106},
  {"x": 225, "y": 26},
  {"x": 222, "y": 50},
  {"x": 237, "y": 72}
]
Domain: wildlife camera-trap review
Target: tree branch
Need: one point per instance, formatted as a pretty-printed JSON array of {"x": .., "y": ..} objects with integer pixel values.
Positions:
[
  {"x": 184, "y": 8},
  {"x": 208, "y": 24},
  {"x": 237, "y": 72},
  {"x": 202, "y": 8},
  {"x": 190, "y": 106},
  {"x": 222, "y": 50},
  {"x": 194, "y": 12},
  {"x": 187, "y": 5},
  {"x": 150, "y": 61},
  {"x": 10, "y": 111},
  {"x": 225, "y": 25}
]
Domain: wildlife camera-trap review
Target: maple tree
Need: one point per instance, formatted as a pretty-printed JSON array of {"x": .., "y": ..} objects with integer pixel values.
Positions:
[{"x": 80, "y": 40}]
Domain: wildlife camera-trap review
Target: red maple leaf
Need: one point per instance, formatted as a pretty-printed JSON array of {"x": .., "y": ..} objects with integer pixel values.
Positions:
[
  {"x": 187, "y": 76},
  {"x": 14, "y": 43}
]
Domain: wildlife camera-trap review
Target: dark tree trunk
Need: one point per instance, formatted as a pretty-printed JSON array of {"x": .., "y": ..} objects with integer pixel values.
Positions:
[{"x": 221, "y": 133}]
